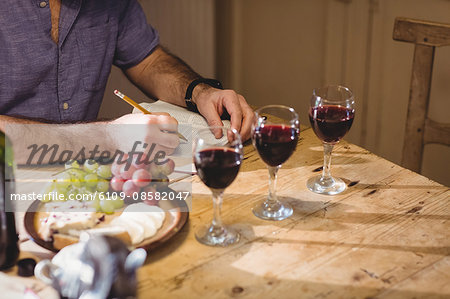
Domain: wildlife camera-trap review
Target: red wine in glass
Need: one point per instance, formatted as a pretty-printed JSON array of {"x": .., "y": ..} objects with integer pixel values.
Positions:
[
  {"x": 274, "y": 135},
  {"x": 275, "y": 143},
  {"x": 217, "y": 167},
  {"x": 331, "y": 122},
  {"x": 331, "y": 115}
]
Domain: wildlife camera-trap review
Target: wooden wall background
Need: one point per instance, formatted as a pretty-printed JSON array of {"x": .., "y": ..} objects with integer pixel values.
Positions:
[{"x": 278, "y": 51}]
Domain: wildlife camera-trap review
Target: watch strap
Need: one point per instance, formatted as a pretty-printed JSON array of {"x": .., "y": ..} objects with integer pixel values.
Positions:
[{"x": 191, "y": 106}]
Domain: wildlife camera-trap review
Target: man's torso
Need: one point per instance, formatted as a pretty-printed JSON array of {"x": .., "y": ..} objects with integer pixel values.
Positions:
[{"x": 63, "y": 81}]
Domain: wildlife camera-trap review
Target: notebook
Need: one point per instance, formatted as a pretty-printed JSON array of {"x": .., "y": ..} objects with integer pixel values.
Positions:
[{"x": 189, "y": 125}]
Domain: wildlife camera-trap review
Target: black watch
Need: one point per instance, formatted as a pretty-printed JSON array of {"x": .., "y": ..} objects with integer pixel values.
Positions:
[{"x": 191, "y": 106}]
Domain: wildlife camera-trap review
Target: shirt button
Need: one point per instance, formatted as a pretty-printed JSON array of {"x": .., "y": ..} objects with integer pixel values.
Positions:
[
  {"x": 43, "y": 4},
  {"x": 65, "y": 106}
]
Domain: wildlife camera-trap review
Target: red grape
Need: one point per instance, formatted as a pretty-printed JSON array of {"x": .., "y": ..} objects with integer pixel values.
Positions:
[
  {"x": 117, "y": 183},
  {"x": 126, "y": 171},
  {"x": 139, "y": 161},
  {"x": 129, "y": 188},
  {"x": 141, "y": 178},
  {"x": 115, "y": 169}
]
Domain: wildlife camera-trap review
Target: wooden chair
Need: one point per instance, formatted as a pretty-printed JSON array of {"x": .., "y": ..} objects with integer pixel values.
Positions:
[{"x": 421, "y": 130}]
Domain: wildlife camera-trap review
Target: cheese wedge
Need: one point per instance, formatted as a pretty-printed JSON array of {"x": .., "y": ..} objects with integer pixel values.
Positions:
[
  {"x": 154, "y": 212},
  {"x": 147, "y": 223},
  {"x": 134, "y": 229}
]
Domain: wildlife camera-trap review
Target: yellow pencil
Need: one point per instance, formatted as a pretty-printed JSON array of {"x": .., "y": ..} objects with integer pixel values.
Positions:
[{"x": 136, "y": 105}]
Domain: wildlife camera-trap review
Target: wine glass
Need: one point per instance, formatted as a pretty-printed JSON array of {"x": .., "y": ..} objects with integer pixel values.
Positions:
[
  {"x": 331, "y": 115},
  {"x": 275, "y": 136},
  {"x": 217, "y": 166}
]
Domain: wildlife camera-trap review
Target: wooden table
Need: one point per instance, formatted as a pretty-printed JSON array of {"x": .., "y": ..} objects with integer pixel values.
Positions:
[{"x": 386, "y": 236}]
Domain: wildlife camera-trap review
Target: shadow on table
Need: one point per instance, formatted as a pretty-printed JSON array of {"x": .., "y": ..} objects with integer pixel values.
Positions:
[
  {"x": 332, "y": 216},
  {"x": 231, "y": 273},
  {"x": 235, "y": 274},
  {"x": 309, "y": 215},
  {"x": 253, "y": 162},
  {"x": 437, "y": 250},
  {"x": 236, "y": 211},
  {"x": 361, "y": 185}
]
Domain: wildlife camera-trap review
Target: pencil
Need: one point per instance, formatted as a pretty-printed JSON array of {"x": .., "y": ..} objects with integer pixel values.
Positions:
[{"x": 136, "y": 105}]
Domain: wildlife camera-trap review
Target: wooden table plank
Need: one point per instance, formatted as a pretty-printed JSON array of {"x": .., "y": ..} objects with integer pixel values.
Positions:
[{"x": 434, "y": 277}]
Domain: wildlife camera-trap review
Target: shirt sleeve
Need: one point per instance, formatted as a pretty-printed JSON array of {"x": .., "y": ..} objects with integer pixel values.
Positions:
[{"x": 136, "y": 38}]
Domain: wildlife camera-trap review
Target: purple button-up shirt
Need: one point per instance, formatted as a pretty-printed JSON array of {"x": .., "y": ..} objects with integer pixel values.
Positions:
[{"x": 65, "y": 82}]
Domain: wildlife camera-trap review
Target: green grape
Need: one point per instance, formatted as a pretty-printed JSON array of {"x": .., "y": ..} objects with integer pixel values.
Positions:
[
  {"x": 50, "y": 187},
  {"x": 60, "y": 188},
  {"x": 95, "y": 204},
  {"x": 91, "y": 189},
  {"x": 63, "y": 181},
  {"x": 77, "y": 173},
  {"x": 107, "y": 206},
  {"x": 118, "y": 203},
  {"x": 102, "y": 185},
  {"x": 70, "y": 194},
  {"x": 72, "y": 164},
  {"x": 77, "y": 177},
  {"x": 76, "y": 182},
  {"x": 104, "y": 171},
  {"x": 86, "y": 190},
  {"x": 90, "y": 166},
  {"x": 91, "y": 180}
]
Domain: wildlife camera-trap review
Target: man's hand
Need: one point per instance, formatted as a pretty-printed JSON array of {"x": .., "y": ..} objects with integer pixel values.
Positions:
[
  {"x": 211, "y": 103},
  {"x": 159, "y": 129},
  {"x": 163, "y": 76}
]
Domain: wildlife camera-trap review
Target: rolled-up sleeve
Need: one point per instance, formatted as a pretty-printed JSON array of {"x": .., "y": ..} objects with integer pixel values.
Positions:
[{"x": 136, "y": 38}]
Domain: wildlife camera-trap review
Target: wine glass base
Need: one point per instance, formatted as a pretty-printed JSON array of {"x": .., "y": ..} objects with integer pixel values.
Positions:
[
  {"x": 317, "y": 186},
  {"x": 280, "y": 211},
  {"x": 213, "y": 236}
]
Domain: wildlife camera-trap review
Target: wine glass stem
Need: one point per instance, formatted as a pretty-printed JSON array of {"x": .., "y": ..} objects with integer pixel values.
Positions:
[
  {"x": 326, "y": 172},
  {"x": 217, "y": 206},
  {"x": 273, "y": 170}
]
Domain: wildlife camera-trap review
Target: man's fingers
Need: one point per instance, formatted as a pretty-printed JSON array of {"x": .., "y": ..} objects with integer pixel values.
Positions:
[
  {"x": 231, "y": 103},
  {"x": 168, "y": 127},
  {"x": 167, "y": 123},
  {"x": 158, "y": 128},
  {"x": 161, "y": 113},
  {"x": 241, "y": 115},
  {"x": 167, "y": 139},
  {"x": 248, "y": 118},
  {"x": 156, "y": 135},
  {"x": 163, "y": 121},
  {"x": 212, "y": 117}
]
